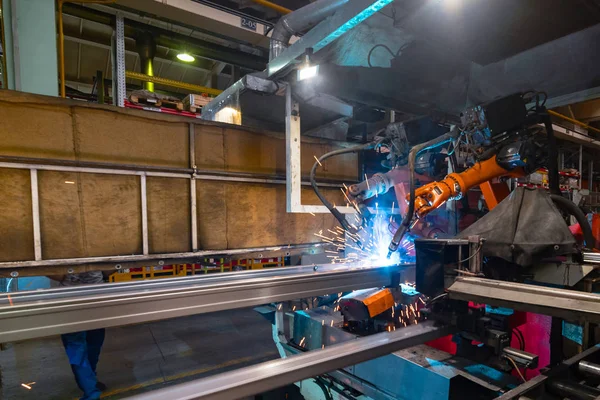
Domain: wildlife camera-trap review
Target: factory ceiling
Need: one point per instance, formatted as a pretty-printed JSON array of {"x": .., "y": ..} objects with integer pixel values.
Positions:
[
  {"x": 444, "y": 55},
  {"x": 88, "y": 34}
]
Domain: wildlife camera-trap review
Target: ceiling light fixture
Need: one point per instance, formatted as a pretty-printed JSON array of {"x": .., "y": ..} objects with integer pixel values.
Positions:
[
  {"x": 185, "y": 57},
  {"x": 307, "y": 69}
]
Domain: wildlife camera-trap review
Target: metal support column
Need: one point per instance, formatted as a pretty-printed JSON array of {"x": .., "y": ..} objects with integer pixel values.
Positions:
[
  {"x": 119, "y": 77},
  {"x": 144, "y": 200},
  {"x": 293, "y": 142},
  {"x": 293, "y": 162},
  {"x": 35, "y": 208},
  {"x": 193, "y": 205}
]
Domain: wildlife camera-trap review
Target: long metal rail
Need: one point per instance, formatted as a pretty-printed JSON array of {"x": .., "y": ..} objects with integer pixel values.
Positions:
[
  {"x": 26, "y": 315},
  {"x": 262, "y": 377},
  {"x": 568, "y": 304},
  {"x": 160, "y": 258},
  {"x": 593, "y": 258}
]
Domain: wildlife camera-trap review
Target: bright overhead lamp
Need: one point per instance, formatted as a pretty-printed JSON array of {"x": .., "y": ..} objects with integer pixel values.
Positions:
[
  {"x": 307, "y": 70},
  {"x": 185, "y": 57}
]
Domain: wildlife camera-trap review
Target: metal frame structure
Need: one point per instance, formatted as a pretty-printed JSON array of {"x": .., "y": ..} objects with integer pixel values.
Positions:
[
  {"x": 568, "y": 304},
  {"x": 35, "y": 209},
  {"x": 259, "y": 378},
  {"x": 538, "y": 382},
  {"x": 294, "y": 159},
  {"x": 119, "y": 61},
  {"x": 27, "y": 315}
]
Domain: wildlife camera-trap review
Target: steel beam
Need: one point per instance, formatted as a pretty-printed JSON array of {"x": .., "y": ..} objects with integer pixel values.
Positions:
[
  {"x": 590, "y": 257},
  {"x": 263, "y": 377},
  {"x": 27, "y": 315},
  {"x": 568, "y": 304},
  {"x": 35, "y": 210},
  {"x": 144, "y": 207},
  {"x": 293, "y": 159},
  {"x": 92, "y": 167}
]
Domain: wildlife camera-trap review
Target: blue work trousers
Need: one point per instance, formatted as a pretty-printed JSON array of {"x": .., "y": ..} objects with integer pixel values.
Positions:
[{"x": 83, "y": 350}]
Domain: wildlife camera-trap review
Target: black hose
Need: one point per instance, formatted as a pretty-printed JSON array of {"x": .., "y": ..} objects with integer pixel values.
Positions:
[
  {"x": 338, "y": 215},
  {"x": 552, "y": 154},
  {"x": 403, "y": 228},
  {"x": 571, "y": 208},
  {"x": 324, "y": 388}
]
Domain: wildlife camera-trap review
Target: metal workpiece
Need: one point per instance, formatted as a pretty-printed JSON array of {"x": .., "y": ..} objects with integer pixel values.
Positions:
[
  {"x": 272, "y": 374},
  {"x": 562, "y": 274},
  {"x": 26, "y": 315},
  {"x": 529, "y": 360},
  {"x": 593, "y": 258},
  {"x": 589, "y": 368},
  {"x": 568, "y": 304},
  {"x": 573, "y": 390},
  {"x": 427, "y": 373},
  {"x": 537, "y": 387}
]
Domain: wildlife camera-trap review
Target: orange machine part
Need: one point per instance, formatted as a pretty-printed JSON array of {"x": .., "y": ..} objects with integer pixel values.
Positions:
[
  {"x": 494, "y": 193},
  {"x": 433, "y": 195},
  {"x": 379, "y": 302},
  {"x": 596, "y": 229}
]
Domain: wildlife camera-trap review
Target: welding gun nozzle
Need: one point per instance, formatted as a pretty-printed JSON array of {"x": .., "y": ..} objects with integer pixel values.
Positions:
[{"x": 393, "y": 247}]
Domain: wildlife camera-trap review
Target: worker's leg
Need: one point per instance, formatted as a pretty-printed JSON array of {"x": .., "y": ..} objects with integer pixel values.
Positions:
[
  {"x": 76, "y": 348},
  {"x": 95, "y": 339}
]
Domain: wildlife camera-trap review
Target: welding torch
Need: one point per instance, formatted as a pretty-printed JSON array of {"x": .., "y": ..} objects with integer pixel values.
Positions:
[{"x": 406, "y": 222}]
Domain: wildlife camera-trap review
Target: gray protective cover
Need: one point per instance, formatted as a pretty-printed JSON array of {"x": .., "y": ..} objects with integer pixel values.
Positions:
[{"x": 523, "y": 228}]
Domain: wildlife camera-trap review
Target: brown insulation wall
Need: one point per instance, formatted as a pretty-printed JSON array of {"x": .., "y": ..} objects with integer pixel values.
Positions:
[{"x": 95, "y": 215}]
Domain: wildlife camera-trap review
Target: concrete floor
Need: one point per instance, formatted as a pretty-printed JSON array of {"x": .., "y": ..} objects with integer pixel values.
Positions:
[{"x": 142, "y": 357}]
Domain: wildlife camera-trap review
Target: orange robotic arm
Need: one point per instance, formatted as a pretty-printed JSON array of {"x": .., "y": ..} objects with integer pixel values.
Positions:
[{"x": 431, "y": 196}]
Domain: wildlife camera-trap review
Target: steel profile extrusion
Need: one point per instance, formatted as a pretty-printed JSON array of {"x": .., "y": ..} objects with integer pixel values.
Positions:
[
  {"x": 259, "y": 378},
  {"x": 568, "y": 304},
  {"x": 27, "y": 315}
]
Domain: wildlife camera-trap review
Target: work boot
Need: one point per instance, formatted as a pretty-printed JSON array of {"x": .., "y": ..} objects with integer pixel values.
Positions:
[{"x": 100, "y": 386}]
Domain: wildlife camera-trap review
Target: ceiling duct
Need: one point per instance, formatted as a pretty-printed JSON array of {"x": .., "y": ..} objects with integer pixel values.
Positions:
[{"x": 300, "y": 21}]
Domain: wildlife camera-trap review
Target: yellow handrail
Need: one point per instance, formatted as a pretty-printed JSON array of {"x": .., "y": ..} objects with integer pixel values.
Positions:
[
  {"x": 169, "y": 82},
  {"x": 273, "y": 6},
  {"x": 573, "y": 121}
]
